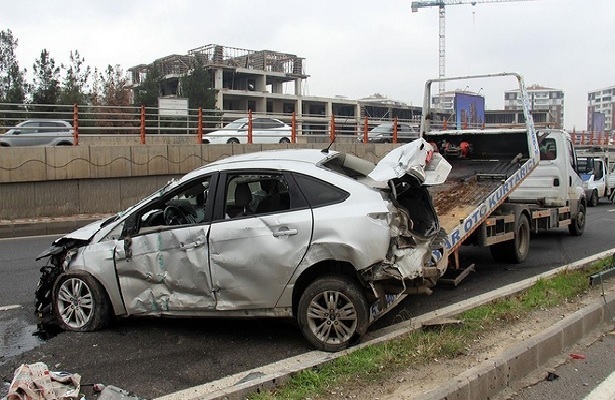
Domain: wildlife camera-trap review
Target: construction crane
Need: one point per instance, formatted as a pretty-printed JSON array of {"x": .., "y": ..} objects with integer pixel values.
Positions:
[{"x": 441, "y": 34}]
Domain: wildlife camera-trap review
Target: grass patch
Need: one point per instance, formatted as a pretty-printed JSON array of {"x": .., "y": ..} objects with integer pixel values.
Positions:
[{"x": 373, "y": 363}]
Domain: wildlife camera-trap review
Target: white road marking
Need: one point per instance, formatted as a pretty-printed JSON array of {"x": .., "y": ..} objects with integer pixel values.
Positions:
[
  {"x": 7, "y": 308},
  {"x": 604, "y": 391}
]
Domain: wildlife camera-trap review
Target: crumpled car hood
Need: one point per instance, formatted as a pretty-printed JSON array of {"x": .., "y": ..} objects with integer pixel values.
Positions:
[
  {"x": 411, "y": 159},
  {"x": 85, "y": 232}
]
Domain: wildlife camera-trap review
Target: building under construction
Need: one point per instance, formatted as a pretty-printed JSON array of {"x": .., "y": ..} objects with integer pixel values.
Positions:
[
  {"x": 264, "y": 81},
  {"x": 271, "y": 82}
]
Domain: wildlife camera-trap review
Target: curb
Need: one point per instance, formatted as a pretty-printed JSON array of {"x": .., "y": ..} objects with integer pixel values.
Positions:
[
  {"x": 504, "y": 370},
  {"x": 45, "y": 226},
  {"x": 483, "y": 381}
]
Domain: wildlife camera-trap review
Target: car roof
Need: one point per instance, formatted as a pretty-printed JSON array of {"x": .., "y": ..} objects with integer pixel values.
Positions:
[
  {"x": 308, "y": 156},
  {"x": 312, "y": 156},
  {"x": 45, "y": 120}
]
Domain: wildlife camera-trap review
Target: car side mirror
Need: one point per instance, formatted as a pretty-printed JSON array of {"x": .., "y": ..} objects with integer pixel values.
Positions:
[{"x": 16, "y": 132}]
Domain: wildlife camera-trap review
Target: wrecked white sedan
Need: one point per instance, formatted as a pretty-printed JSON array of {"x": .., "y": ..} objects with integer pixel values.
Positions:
[{"x": 321, "y": 236}]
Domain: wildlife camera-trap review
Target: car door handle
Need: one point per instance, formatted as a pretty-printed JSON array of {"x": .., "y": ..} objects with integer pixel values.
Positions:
[
  {"x": 192, "y": 245},
  {"x": 285, "y": 232}
]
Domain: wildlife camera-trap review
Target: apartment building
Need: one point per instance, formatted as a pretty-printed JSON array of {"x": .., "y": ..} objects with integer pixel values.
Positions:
[
  {"x": 600, "y": 109},
  {"x": 541, "y": 99}
]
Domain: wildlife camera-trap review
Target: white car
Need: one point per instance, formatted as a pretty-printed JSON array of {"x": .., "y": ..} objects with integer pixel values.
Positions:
[
  {"x": 264, "y": 130},
  {"x": 325, "y": 237},
  {"x": 39, "y": 132}
]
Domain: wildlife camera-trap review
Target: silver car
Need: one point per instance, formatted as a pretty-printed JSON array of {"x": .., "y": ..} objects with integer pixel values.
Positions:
[
  {"x": 264, "y": 130},
  {"x": 325, "y": 237},
  {"x": 383, "y": 133},
  {"x": 39, "y": 132}
]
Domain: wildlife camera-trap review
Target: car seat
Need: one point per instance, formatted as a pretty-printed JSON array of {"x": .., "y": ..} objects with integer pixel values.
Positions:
[{"x": 243, "y": 197}]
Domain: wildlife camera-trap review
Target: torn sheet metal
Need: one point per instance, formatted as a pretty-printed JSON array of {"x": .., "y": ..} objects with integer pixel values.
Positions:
[
  {"x": 85, "y": 232},
  {"x": 416, "y": 159},
  {"x": 36, "y": 382}
]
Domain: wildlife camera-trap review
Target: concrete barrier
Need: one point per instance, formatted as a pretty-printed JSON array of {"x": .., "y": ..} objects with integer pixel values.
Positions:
[{"x": 64, "y": 181}]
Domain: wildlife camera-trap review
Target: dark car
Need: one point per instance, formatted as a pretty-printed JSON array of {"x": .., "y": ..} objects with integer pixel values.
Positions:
[{"x": 383, "y": 133}]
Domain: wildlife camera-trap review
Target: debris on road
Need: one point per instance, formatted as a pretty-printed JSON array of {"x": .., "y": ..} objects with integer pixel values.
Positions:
[{"x": 36, "y": 382}]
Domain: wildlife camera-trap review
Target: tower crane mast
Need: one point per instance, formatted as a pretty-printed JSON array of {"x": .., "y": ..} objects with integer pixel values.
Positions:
[{"x": 442, "y": 27}]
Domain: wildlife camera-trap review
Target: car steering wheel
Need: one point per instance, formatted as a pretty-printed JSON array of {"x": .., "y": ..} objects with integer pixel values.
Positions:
[{"x": 174, "y": 215}]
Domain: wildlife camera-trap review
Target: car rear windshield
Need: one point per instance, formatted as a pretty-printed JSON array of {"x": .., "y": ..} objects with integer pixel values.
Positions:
[{"x": 349, "y": 165}]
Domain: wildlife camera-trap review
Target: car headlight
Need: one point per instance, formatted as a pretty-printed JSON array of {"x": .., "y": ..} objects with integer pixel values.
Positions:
[{"x": 585, "y": 185}]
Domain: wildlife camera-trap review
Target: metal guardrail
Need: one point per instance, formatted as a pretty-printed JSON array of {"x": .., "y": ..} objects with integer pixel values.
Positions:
[{"x": 145, "y": 121}]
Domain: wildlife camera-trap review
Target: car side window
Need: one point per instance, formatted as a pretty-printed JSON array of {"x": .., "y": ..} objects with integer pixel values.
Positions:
[
  {"x": 266, "y": 123},
  {"x": 320, "y": 193},
  {"x": 253, "y": 194},
  {"x": 598, "y": 169},
  {"x": 548, "y": 149},
  {"x": 188, "y": 205},
  {"x": 573, "y": 156},
  {"x": 30, "y": 127},
  {"x": 257, "y": 124}
]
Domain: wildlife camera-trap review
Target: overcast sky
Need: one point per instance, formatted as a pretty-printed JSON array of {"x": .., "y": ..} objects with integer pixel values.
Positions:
[{"x": 352, "y": 48}]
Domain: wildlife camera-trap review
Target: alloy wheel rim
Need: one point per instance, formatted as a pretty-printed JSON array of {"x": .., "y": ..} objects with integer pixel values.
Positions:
[
  {"x": 75, "y": 303},
  {"x": 332, "y": 317}
]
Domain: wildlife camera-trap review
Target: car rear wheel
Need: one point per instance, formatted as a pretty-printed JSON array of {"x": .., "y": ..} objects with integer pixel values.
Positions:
[
  {"x": 333, "y": 312},
  {"x": 516, "y": 250},
  {"x": 285, "y": 140},
  {"x": 80, "y": 303},
  {"x": 593, "y": 200},
  {"x": 577, "y": 225},
  {"x": 232, "y": 141}
]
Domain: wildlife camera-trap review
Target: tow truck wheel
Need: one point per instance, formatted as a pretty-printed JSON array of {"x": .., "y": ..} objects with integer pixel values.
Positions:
[
  {"x": 80, "y": 303},
  {"x": 593, "y": 200},
  {"x": 333, "y": 312},
  {"x": 516, "y": 250},
  {"x": 577, "y": 225}
]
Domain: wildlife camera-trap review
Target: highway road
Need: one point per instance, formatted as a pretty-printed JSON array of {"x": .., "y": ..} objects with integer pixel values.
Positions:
[{"x": 153, "y": 357}]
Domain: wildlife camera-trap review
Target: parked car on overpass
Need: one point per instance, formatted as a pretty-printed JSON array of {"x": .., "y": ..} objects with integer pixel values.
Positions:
[
  {"x": 264, "y": 130},
  {"x": 325, "y": 237},
  {"x": 383, "y": 133},
  {"x": 39, "y": 132}
]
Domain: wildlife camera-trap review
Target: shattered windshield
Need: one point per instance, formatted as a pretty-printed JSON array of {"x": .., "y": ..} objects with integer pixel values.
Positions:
[{"x": 349, "y": 165}]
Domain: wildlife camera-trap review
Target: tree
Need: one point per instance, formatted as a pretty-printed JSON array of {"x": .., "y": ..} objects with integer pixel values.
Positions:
[
  {"x": 13, "y": 86},
  {"x": 148, "y": 92},
  {"x": 46, "y": 83},
  {"x": 75, "y": 81},
  {"x": 196, "y": 87},
  {"x": 110, "y": 96},
  {"x": 115, "y": 90}
]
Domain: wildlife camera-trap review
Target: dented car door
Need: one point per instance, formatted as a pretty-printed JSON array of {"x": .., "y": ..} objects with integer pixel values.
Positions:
[
  {"x": 163, "y": 266},
  {"x": 254, "y": 252}
]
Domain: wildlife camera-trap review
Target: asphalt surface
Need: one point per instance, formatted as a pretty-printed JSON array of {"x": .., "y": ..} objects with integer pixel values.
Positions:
[
  {"x": 153, "y": 357},
  {"x": 577, "y": 377}
]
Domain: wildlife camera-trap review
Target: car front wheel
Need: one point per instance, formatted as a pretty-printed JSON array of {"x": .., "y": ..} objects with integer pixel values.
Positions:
[
  {"x": 333, "y": 312},
  {"x": 80, "y": 303}
]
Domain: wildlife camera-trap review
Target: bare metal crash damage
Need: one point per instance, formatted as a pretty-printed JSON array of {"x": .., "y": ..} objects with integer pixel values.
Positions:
[{"x": 325, "y": 237}]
